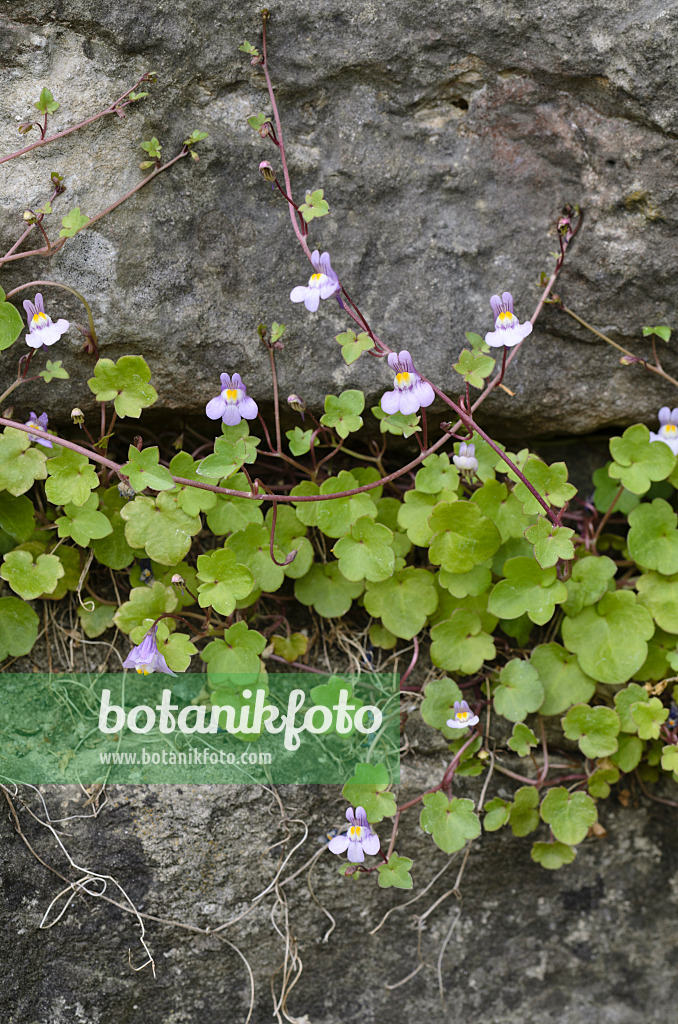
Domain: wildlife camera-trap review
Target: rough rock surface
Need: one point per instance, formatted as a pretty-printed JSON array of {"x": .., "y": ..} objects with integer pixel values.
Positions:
[
  {"x": 446, "y": 136},
  {"x": 590, "y": 944}
]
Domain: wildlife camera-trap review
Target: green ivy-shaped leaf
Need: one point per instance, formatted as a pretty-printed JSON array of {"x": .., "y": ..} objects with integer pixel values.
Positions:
[
  {"x": 160, "y": 526},
  {"x": 529, "y": 589},
  {"x": 145, "y": 603},
  {"x": 229, "y": 515},
  {"x": 191, "y": 500},
  {"x": 83, "y": 522},
  {"x": 606, "y": 491},
  {"x": 248, "y": 48},
  {"x": 467, "y": 584},
  {"x": 524, "y": 816},
  {"x": 591, "y": 578},
  {"x": 595, "y": 729},
  {"x": 662, "y": 332},
  {"x": 46, "y": 103},
  {"x": 300, "y": 441},
  {"x": 497, "y": 812},
  {"x": 519, "y": 691},
  {"x": 73, "y": 222},
  {"x": 669, "y": 758},
  {"x": 570, "y": 815},
  {"x": 342, "y": 413},
  {"x": 460, "y": 645},
  {"x": 599, "y": 783},
  {"x": 53, "y": 371},
  {"x": 113, "y": 549},
  {"x": 290, "y": 536},
  {"x": 223, "y": 581},
  {"x": 522, "y": 739},
  {"x": 552, "y": 855},
  {"x": 292, "y": 647},
  {"x": 610, "y": 638},
  {"x": 335, "y": 518},
  {"x": 404, "y": 602},
  {"x": 623, "y": 702},
  {"x": 397, "y": 423},
  {"x": 629, "y": 754},
  {"x": 315, "y": 206},
  {"x": 251, "y": 547},
  {"x": 563, "y": 680},
  {"x": 549, "y": 481},
  {"x": 474, "y": 367},
  {"x": 414, "y": 514},
  {"x": 11, "y": 324},
  {"x": 28, "y": 578},
  {"x": 653, "y": 537},
  {"x": 20, "y": 464},
  {"x": 327, "y": 695},
  {"x": 235, "y": 660},
  {"x": 352, "y": 345},
  {"x": 71, "y": 478},
  {"x": 436, "y": 475},
  {"x": 125, "y": 383},
  {"x": 144, "y": 470},
  {"x": 649, "y": 715},
  {"x": 16, "y": 516},
  {"x": 501, "y": 506},
  {"x": 97, "y": 619},
  {"x": 367, "y": 789},
  {"x": 436, "y": 707},
  {"x": 325, "y": 589},
  {"x": 230, "y": 453},
  {"x": 451, "y": 823},
  {"x": 18, "y": 627},
  {"x": 462, "y": 536},
  {"x": 366, "y": 553},
  {"x": 551, "y": 543},
  {"x": 659, "y": 595},
  {"x": 396, "y": 872},
  {"x": 638, "y": 461}
]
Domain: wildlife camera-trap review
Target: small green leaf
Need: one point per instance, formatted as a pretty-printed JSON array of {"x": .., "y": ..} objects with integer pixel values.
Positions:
[
  {"x": 145, "y": 603},
  {"x": 570, "y": 815},
  {"x": 522, "y": 739},
  {"x": 144, "y": 470},
  {"x": 659, "y": 594},
  {"x": 152, "y": 147},
  {"x": 559, "y": 673},
  {"x": 404, "y": 602},
  {"x": 134, "y": 96},
  {"x": 71, "y": 478},
  {"x": 396, "y": 424},
  {"x": 436, "y": 475},
  {"x": 84, "y": 523},
  {"x": 47, "y": 104},
  {"x": 328, "y": 695},
  {"x": 160, "y": 526},
  {"x": 292, "y": 647},
  {"x": 334, "y": 518},
  {"x": 474, "y": 367},
  {"x": 629, "y": 754},
  {"x": 606, "y": 491},
  {"x": 595, "y": 729},
  {"x": 549, "y": 481},
  {"x": 524, "y": 816},
  {"x": 497, "y": 813},
  {"x": 342, "y": 413},
  {"x": 638, "y": 461},
  {"x": 11, "y": 324},
  {"x": 195, "y": 136},
  {"x": 300, "y": 440},
  {"x": 610, "y": 638},
  {"x": 599, "y": 783},
  {"x": 325, "y": 589},
  {"x": 96, "y": 620},
  {"x": 16, "y": 516},
  {"x": 257, "y": 121},
  {"x": 477, "y": 342},
  {"x": 591, "y": 578},
  {"x": 18, "y": 627},
  {"x": 519, "y": 692},
  {"x": 551, "y": 543},
  {"x": 353, "y": 346},
  {"x": 527, "y": 589},
  {"x": 125, "y": 383},
  {"x": 649, "y": 716},
  {"x": 28, "y": 578},
  {"x": 552, "y": 855},
  {"x": 462, "y": 536},
  {"x": 662, "y": 332},
  {"x": 53, "y": 371},
  {"x": 451, "y": 822},
  {"x": 191, "y": 500},
  {"x": 460, "y": 644},
  {"x": 223, "y": 580},
  {"x": 366, "y": 553},
  {"x": 669, "y": 757},
  {"x": 248, "y": 48},
  {"x": 251, "y": 547},
  {"x": 395, "y": 873},
  {"x": 653, "y": 537},
  {"x": 436, "y": 707},
  {"x": 73, "y": 222},
  {"x": 315, "y": 206},
  {"x": 367, "y": 789}
]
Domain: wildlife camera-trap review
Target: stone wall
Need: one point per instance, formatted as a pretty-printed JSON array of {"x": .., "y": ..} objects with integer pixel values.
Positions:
[{"x": 447, "y": 137}]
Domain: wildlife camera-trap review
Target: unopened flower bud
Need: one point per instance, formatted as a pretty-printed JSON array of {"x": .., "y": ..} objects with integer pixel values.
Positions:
[
  {"x": 77, "y": 416},
  {"x": 29, "y": 217},
  {"x": 125, "y": 490},
  {"x": 178, "y": 580},
  {"x": 265, "y": 129},
  {"x": 297, "y": 403},
  {"x": 266, "y": 171}
]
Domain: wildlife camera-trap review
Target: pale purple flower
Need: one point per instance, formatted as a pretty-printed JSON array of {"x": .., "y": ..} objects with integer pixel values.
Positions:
[
  {"x": 146, "y": 658},
  {"x": 507, "y": 328},
  {"x": 359, "y": 840},
  {"x": 410, "y": 392},
  {"x": 40, "y": 423},
  {"x": 233, "y": 404},
  {"x": 322, "y": 285},
  {"x": 466, "y": 459},
  {"x": 41, "y": 329},
  {"x": 462, "y": 716},
  {"x": 668, "y": 431}
]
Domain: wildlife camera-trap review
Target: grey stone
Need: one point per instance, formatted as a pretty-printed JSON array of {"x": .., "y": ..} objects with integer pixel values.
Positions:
[{"x": 447, "y": 138}]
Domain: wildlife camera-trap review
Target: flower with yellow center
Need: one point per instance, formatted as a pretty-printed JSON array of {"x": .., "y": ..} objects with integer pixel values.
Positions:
[
  {"x": 668, "y": 430},
  {"x": 359, "y": 840},
  {"x": 146, "y": 658},
  {"x": 462, "y": 716},
  {"x": 41, "y": 329},
  {"x": 233, "y": 404},
  {"x": 322, "y": 284},
  {"x": 410, "y": 392},
  {"x": 508, "y": 330}
]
